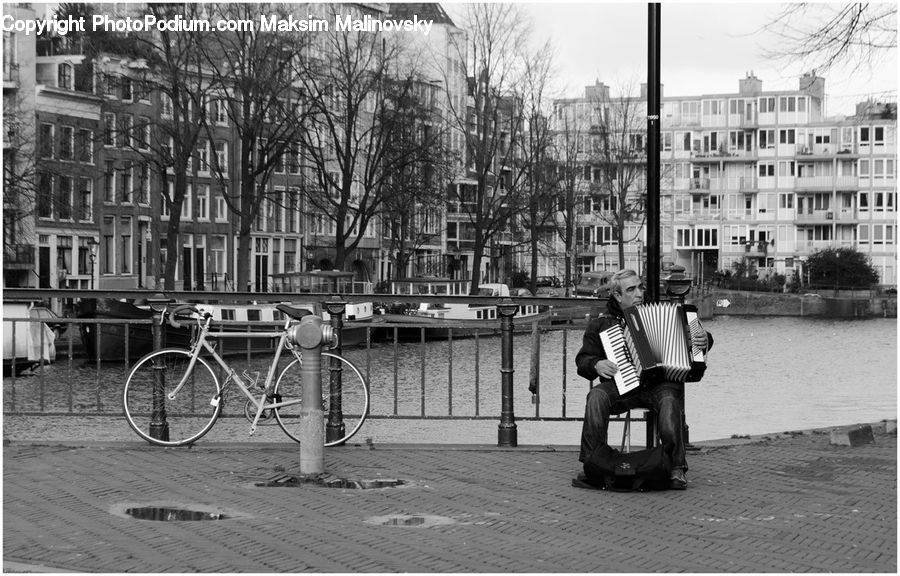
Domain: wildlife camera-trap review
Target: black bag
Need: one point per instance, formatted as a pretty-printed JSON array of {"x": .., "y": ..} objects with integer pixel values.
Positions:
[{"x": 648, "y": 469}]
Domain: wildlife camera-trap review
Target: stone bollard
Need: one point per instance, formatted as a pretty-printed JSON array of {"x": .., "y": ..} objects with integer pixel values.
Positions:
[{"x": 852, "y": 435}]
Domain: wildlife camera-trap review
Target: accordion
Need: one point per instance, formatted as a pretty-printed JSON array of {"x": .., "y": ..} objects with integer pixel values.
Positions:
[{"x": 655, "y": 345}]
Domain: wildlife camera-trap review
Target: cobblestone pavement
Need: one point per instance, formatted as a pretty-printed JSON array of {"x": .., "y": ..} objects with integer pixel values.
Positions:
[{"x": 783, "y": 503}]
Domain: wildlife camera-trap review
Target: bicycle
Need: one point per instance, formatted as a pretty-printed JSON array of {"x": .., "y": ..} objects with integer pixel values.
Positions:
[{"x": 178, "y": 386}]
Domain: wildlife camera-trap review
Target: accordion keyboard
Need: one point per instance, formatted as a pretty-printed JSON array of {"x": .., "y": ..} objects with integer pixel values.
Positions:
[{"x": 613, "y": 340}]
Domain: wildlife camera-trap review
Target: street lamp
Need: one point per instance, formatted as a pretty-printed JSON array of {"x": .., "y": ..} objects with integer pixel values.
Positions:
[{"x": 92, "y": 247}]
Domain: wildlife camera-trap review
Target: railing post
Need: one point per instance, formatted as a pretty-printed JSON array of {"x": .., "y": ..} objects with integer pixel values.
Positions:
[
  {"x": 310, "y": 334},
  {"x": 334, "y": 428},
  {"x": 159, "y": 426},
  {"x": 507, "y": 435}
]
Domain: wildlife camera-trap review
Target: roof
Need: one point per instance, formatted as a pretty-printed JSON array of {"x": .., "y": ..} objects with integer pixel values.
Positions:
[{"x": 424, "y": 10}]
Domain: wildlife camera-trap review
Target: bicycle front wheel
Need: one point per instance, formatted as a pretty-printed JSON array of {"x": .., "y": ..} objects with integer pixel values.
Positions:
[
  {"x": 345, "y": 409},
  {"x": 182, "y": 419}
]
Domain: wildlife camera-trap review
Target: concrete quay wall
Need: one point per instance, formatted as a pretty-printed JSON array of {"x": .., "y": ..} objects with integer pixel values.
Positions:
[{"x": 852, "y": 305}]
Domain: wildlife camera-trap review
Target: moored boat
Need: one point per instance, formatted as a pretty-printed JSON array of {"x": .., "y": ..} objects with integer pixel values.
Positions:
[{"x": 27, "y": 344}]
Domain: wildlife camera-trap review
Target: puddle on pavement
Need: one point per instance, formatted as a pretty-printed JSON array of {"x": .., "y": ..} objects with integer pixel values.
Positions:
[
  {"x": 172, "y": 514},
  {"x": 293, "y": 481},
  {"x": 410, "y": 520}
]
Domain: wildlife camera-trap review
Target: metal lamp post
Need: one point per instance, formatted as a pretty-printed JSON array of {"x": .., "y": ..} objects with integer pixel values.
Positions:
[{"x": 92, "y": 247}]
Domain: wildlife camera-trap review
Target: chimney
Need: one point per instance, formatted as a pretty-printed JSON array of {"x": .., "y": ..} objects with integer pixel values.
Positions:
[
  {"x": 749, "y": 86},
  {"x": 813, "y": 85},
  {"x": 598, "y": 92}
]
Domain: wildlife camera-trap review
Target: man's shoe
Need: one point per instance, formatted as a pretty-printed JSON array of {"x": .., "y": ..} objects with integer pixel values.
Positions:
[{"x": 678, "y": 481}]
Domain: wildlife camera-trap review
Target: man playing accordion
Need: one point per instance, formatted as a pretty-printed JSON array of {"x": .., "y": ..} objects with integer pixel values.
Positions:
[{"x": 665, "y": 398}]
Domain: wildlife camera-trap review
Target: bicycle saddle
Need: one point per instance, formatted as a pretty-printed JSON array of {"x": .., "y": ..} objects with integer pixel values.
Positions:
[{"x": 292, "y": 311}]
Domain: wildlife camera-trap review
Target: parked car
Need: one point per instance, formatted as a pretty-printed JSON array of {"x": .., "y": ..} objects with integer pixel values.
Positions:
[
  {"x": 593, "y": 285},
  {"x": 551, "y": 281}
]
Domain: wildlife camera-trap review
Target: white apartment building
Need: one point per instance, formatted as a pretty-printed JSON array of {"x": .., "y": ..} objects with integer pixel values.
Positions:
[{"x": 764, "y": 177}]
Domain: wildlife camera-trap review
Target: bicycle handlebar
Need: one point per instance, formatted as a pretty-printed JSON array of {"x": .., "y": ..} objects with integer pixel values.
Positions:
[{"x": 182, "y": 308}]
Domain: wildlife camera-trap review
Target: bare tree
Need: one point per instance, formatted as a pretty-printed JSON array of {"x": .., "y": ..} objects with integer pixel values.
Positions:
[
  {"x": 356, "y": 96},
  {"x": 539, "y": 193},
  {"x": 249, "y": 77},
  {"x": 496, "y": 34},
  {"x": 413, "y": 196},
  {"x": 825, "y": 35},
  {"x": 619, "y": 164},
  {"x": 569, "y": 159}
]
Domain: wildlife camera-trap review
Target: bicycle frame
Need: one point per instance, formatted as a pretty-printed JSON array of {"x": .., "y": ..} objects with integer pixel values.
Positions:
[{"x": 201, "y": 344}]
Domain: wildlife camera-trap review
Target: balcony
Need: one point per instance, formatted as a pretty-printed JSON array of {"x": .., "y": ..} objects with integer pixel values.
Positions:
[
  {"x": 18, "y": 257},
  {"x": 816, "y": 217},
  {"x": 825, "y": 183}
]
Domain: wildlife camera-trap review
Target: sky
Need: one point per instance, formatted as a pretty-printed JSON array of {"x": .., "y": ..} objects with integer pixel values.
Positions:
[{"x": 706, "y": 48}]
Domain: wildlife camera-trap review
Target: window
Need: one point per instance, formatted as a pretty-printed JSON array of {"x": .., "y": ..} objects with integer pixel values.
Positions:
[
  {"x": 864, "y": 135},
  {"x": 112, "y": 86},
  {"x": 666, "y": 142},
  {"x": 126, "y": 88},
  {"x": 144, "y": 197},
  {"x": 109, "y": 129},
  {"x": 143, "y": 133},
  {"x": 220, "y": 112},
  {"x": 766, "y": 139},
  {"x": 879, "y": 135},
  {"x": 786, "y": 201},
  {"x": 221, "y": 209},
  {"x": 127, "y": 183},
  {"x": 44, "y": 200},
  {"x": 766, "y": 169},
  {"x": 86, "y": 146},
  {"x": 127, "y": 124},
  {"x": 863, "y": 168},
  {"x": 786, "y": 136},
  {"x": 109, "y": 181},
  {"x": 788, "y": 103},
  {"x": 203, "y": 155},
  {"x": 766, "y": 104},
  {"x": 85, "y": 199},
  {"x": 64, "y": 198},
  {"x": 64, "y": 76},
  {"x": 125, "y": 245},
  {"x": 203, "y": 202},
  {"x": 166, "y": 204},
  {"x": 186, "y": 207},
  {"x": 165, "y": 101},
  {"x": 290, "y": 255},
  {"x": 67, "y": 143},
  {"x": 786, "y": 168},
  {"x": 46, "y": 143},
  {"x": 64, "y": 254},
  {"x": 222, "y": 156}
]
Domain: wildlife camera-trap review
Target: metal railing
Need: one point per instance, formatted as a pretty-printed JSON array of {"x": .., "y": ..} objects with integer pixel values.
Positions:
[{"x": 473, "y": 372}]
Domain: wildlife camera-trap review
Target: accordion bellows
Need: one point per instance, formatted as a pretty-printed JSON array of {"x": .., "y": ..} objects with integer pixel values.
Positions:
[{"x": 655, "y": 345}]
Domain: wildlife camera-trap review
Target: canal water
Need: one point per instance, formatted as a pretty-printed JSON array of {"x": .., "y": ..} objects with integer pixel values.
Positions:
[{"x": 764, "y": 375}]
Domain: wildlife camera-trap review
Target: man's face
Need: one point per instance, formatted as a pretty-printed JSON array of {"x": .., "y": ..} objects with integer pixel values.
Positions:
[{"x": 632, "y": 292}]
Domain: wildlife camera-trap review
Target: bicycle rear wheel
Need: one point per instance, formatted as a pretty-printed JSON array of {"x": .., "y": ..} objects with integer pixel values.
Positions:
[
  {"x": 187, "y": 416},
  {"x": 351, "y": 406}
]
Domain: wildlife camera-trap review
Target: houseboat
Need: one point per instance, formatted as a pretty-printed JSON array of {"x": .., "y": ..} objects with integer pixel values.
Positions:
[
  {"x": 437, "y": 319},
  {"x": 358, "y": 314}
]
